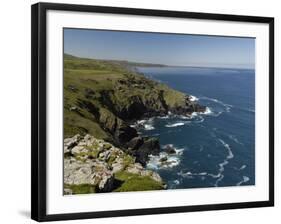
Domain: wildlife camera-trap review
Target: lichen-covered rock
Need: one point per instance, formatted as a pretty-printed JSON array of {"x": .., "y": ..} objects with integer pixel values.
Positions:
[
  {"x": 70, "y": 143},
  {"x": 92, "y": 164},
  {"x": 88, "y": 172}
]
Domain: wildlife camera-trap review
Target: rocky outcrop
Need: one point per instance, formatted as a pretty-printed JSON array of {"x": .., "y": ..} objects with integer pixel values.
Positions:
[
  {"x": 94, "y": 162},
  {"x": 142, "y": 147},
  {"x": 96, "y": 173}
]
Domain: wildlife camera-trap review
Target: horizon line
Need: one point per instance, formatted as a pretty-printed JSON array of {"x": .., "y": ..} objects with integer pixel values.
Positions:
[{"x": 161, "y": 64}]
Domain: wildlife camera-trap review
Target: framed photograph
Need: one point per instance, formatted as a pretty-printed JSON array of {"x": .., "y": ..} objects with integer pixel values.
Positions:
[{"x": 139, "y": 111}]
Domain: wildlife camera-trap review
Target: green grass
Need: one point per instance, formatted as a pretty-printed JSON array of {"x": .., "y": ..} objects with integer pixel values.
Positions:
[
  {"x": 81, "y": 188},
  {"x": 134, "y": 182}
]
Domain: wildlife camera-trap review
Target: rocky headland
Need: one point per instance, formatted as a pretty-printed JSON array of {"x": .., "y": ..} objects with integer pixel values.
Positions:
[{"x": 101, "y": 100}]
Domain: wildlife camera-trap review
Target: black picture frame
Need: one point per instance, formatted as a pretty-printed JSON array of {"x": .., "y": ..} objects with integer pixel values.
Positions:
[{"x": 39, "y": 123}]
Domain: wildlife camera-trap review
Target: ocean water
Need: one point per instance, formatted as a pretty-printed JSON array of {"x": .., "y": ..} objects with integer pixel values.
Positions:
[{"x": 213, "y": 149}]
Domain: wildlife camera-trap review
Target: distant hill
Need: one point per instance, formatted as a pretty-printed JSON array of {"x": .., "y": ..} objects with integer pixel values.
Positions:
[{"x": 120, "y": 62}]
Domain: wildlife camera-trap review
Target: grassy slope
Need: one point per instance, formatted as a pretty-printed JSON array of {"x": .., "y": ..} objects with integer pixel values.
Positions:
[
  {"x": 133, "y": 182},
  {"x": 86, "y": 81}
]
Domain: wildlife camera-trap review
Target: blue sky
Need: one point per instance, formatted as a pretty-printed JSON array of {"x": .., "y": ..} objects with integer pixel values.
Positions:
[{"x": 169, "y": 49}]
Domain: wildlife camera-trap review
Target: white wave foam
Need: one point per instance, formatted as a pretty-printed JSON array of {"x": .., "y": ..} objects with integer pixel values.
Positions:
[
  {"x": 202, "y": 175},
  {"x": 163, "y": 117},
  {"x": 185, "y": 117},
  {"x": 175, "y": 125},
  {"x": 207, "y": 111},
  {"x": 230, "y": 154},
  {"x": 141, "y": 122},
  {"x": 165, "y": 160},
  {"x": 224, "y": 163},
  {"x": 155, "y": 162},
  {"x": 176, "y": 182},
  {"x": 245, "y": 179},
  {"x": 146, "y": 124},
  {"x": 221, "y": 176},
  {"x": 242, "y": 167},
  {"x": 192, "y": 174},
  {"x": 225, "y": 105},
  {"x": 178, "y": 151},
  {"x": 193, "y": 98},
  {"x": 148, "y": 127}
]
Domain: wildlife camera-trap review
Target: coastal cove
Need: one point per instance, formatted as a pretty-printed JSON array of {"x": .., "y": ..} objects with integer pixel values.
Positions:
[{"x": 215, "y": 148}]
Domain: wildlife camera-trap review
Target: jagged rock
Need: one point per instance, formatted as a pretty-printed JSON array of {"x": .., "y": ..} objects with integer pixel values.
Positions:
[
  {"x": 135, "y": 143},
  {"x": 69, "y": 143},
  {"x": 135, "y": 168},
  {"x": 124, "y": 133},
  {"x": 150, "y": 146},
  {"x": 106, "y": 183},
  {"x": 169, "y": 149},
  {"x": 88, "y": 172},
  {"x": 77, "y": 149},
  {"x": 116, "y": 167}
]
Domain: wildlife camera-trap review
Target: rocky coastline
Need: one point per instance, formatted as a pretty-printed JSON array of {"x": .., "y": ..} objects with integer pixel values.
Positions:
[{"x": 99, "y": 110}]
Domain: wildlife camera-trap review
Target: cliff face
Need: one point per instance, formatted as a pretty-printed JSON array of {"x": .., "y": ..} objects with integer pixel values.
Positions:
[{"x": 102, "y": 97}]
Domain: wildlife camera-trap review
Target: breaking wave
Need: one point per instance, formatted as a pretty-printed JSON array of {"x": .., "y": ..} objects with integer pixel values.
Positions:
[
  {"x": 146, "y": 124},
  {"x": 193, "y": 98},
  {"x": 226, "y": 107},
  {"x": 175, "y": 124},
  {"x": 165, "y": 160}
]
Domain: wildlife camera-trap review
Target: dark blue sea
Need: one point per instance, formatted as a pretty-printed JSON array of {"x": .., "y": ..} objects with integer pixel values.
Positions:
[{"x": 213, "y": 149}]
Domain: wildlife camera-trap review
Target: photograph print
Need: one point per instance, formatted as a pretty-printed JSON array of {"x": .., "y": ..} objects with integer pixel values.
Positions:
[{"x": 148, "y": 111}]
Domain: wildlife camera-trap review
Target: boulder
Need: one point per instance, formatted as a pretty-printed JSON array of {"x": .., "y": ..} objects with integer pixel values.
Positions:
[
  {"x": 106, "y": 183},
  {"x": 95, "y": 173},
  {"x": 150, "y": 146},
  {"x": 135, "y": 143}
]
